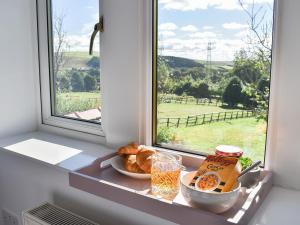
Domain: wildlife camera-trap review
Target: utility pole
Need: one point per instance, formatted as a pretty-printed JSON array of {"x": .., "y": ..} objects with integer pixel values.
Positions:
[{"x": 209, "y": 61}]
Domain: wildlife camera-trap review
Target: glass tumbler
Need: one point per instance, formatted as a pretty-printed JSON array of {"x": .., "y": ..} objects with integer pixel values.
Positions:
[{"x": 165, "y": 175}]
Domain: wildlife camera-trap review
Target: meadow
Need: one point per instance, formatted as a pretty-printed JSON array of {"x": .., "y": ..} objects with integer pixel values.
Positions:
[
  {"x": 69, "y": 102},
  {"x": 248, "y": 133}
]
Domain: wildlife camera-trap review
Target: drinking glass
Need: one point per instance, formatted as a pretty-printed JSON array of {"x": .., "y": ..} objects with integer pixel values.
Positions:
[{"x": 165, "y": 175}]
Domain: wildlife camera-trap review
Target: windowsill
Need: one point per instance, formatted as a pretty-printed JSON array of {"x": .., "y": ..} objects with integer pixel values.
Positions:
[
  {"x": 280, "y": 206},
  {"x": 100, "y": 179},
  {"x": 53, "y": 150}
]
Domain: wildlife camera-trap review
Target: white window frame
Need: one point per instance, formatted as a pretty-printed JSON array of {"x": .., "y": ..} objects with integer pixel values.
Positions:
[
  {"x": 45, "y": 82},
  {"x": 271, "y": 131}
]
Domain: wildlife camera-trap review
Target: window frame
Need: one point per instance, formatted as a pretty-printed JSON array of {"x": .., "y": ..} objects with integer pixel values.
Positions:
[
  {"x": 44, "y": 30},
  {"x": 270, "y": 131}
]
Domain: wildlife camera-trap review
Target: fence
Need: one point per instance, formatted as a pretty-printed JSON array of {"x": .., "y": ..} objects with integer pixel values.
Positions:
[
  {"x": 190, "y": 100},
  {"x": 206, "y": 118}
]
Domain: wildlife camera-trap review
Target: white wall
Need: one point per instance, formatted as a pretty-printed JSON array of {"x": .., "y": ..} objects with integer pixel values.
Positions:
[
  {"x": 17, "y": 91},
  {"x": 25, "y": 184},
  {"x": 285, "y": 144}
]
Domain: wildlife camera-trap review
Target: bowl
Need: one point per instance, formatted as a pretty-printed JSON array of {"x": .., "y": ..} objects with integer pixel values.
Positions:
[
  {"x": 251, "y": 178},
  {"x": 211, "y": 201}
]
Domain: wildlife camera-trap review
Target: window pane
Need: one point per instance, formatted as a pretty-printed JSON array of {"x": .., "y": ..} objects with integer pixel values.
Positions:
[
  {"x": 75, "y": 74},
  {"x": 213, "y": 74}
]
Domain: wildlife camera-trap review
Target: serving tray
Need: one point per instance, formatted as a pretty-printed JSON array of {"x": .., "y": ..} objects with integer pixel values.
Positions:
[{"x": 102, "y": 180}]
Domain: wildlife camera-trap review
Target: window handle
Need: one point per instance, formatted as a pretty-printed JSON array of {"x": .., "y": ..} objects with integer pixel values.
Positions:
[{"x": 99, "y": 27}]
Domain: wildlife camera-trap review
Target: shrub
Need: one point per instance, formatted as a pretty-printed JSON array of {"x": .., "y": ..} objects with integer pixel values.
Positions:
[
  {"x": 263, "y": 84},
  {"x": 90, "y": 83},
  {"x": 94, "y": 62},
  {"x": 77, "y": 82},
  {"x": 233, "y": 92},
  {"x": 165, "y": 134},
  {"x": 64, "y": 84},
  {"x": 200, "y": 90}
]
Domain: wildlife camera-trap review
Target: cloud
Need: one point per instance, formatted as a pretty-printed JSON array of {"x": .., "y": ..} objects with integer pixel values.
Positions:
[
  {"x": 167, "y": 26},
  {"x": 189, "y": 28},
  {"x": 167, "y": 33},
  {"x": 242, "y": 34},
  {"x": 208, "y": 28},
  {"x": 192, "y": 5},
  {"x": 196, "y": 48},
  {"x": 205, "y": 34},
  {"x": 234, "y": 26},
  {"x": 81, "y": 42}
]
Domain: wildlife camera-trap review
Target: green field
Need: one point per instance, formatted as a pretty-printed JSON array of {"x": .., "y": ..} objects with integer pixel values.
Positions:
[
  {"x": 246, "y": 133},
  {"x": 77, "y": 59},
  {"x": 77, "y": 102},
  {"x": 166, "y": 110}
]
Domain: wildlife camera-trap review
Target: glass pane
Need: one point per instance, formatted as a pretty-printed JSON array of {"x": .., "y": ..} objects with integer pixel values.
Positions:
[
  {"x": 213, "y": 74},
  {"x": 76, "y": 74}
]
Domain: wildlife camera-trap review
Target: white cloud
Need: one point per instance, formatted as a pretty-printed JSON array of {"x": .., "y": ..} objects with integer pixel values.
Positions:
[
  {"x": 205, "y": 34},
  {"x": 189, "y": 28},
  {"x": 167, "y": 33},
  {"x": 167, "y": 26},
  {"x": 234, "y": 26},
  {"x": 242, "y": 34},
  {"x": 81, "y": 42},
  {"x": 196, "y": 48},
  {"x": 192, "y": 5},
  {"x": 208, "y": 27}
]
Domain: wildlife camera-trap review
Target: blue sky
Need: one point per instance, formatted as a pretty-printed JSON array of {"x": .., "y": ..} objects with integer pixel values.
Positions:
[
  {"x": 185, "y": 26},
  {"x": 80, "y": 17}
]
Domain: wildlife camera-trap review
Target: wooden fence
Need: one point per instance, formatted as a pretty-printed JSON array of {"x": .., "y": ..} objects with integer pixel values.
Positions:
[
  {"x": 190, "y": 100},
  {"x": 206, "y": 118}
]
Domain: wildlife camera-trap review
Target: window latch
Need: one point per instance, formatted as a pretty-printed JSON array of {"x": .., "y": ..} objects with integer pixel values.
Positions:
[{"x": 99, "y": 27}]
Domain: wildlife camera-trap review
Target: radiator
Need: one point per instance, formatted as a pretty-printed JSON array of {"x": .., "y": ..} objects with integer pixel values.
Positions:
[{"x": 48, "y": 214}]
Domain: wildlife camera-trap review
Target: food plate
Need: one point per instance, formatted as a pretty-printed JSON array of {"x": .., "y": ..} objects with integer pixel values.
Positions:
[{"x": 117, "y": 164}]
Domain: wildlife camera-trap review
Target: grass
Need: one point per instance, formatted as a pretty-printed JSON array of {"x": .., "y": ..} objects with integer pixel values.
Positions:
[
  {"x": 249, "y": 134},
  {"x": 77, "y": 59},
  {"x": 174, "y": 110},
  {"x": 77, "y": 102}
]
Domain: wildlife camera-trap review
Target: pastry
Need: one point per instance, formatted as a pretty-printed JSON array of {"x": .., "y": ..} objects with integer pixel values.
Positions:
[
  {"x": 131, "y": 165},
  {"x": 130, "y": 149},
  {"x": 144, "y": 159}
]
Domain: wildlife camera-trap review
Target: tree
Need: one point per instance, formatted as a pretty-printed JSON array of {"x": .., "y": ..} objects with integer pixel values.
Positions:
[
  {"x": 200, "y": 90},
  {"x": 164, "y": 81},
  {"x": 263, "y": 84},
  {"x": 90, "y": 83},
  {"x": 246, "y": 68},
  {"x": 77, "y": 82},
  {"x": 233, "y": 92},
  {"x": 64, "y": 84},
  {"x": 60, "y": 45},
  {"x": 94, "y": 62},
  {"x": 94, "y": 73}
]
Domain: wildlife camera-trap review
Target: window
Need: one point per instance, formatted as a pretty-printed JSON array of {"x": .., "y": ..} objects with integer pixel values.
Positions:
[
  {"x": 70, "y": 76},
  {"x": 212, "y": 71}
]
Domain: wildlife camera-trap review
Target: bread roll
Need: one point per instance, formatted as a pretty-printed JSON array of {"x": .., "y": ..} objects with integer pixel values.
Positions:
[
  {"x": 130, "y": 149},
  {"x": 144, "y": 159},
  {"x": 131, "y": 165}
]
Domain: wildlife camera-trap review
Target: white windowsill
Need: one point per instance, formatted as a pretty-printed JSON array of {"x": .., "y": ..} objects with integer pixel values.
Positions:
[
  {"x": 280, "y": 207},
  {"x": 53, "y": 150}
]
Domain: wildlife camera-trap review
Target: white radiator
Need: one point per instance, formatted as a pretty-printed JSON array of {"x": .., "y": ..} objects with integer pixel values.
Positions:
[{"x": 48, "y": 214}]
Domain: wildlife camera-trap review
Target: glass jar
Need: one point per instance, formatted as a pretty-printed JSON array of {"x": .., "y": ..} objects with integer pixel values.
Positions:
[{"x": 165, "y": 175}]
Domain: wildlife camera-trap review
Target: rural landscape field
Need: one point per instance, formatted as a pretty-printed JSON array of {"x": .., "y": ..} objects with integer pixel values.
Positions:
[
  {"x": 213, "y": 74},
  {"x": 202, "y": 137}
]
